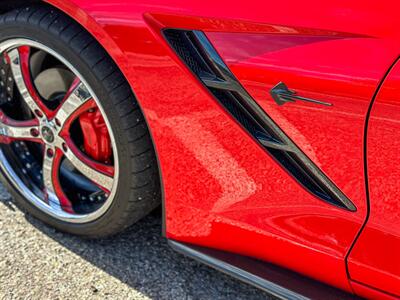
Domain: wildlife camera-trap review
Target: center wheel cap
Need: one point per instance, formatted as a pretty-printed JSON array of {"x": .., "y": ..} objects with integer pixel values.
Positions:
[{"x": 47, "y": 134}]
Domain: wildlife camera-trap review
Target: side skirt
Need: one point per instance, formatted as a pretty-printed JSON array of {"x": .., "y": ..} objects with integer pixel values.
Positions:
[{"x": 277, "y": 281}]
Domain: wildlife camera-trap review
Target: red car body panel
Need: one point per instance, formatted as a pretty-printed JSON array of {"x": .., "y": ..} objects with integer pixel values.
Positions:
[
  {"x": 370, "y": 293},
  {"x": 379, "y": 267},
  {"x": 221, "y": 189}
]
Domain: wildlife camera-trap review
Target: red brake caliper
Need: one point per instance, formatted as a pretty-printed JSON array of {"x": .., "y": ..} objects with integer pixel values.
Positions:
[{"x": 97, "y": 142}]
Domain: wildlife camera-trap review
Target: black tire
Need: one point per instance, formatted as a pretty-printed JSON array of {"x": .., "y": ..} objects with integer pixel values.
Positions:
[{"x": 138, "y": 190}]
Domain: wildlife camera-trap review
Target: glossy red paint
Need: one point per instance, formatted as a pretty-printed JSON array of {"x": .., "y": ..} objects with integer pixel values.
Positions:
[
  {"x": 371, "y": 293},
  {"x": 326, "y": 67},
  {"x": 97, "y": 141},
  {"x": 221, "y": 189},
  {"x": 375, "y": 258}
]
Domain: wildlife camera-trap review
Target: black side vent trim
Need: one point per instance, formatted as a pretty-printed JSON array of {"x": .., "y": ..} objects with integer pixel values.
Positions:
[{"x": 196, "y": 51}]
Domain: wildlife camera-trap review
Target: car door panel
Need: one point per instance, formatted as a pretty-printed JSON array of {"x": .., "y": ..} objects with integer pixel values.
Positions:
[{"x": 375, "y": 260}]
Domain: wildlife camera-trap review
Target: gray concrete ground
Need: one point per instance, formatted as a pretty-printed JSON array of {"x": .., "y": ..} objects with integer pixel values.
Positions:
[{"x": 38, "y": 262}]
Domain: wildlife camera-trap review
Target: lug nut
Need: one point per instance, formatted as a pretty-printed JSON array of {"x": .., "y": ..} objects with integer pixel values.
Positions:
[
  {"x": 38, "y": 113},
  {"x": 50, "y": 153},
  {"x": 34, "y": 132}
]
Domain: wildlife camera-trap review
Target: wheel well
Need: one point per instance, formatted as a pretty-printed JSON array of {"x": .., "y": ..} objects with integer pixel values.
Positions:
[{"x": 6, "y": 6}]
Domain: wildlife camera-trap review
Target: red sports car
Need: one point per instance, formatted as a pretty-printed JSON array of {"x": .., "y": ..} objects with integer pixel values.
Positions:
[{"x": 268, "y": 131}]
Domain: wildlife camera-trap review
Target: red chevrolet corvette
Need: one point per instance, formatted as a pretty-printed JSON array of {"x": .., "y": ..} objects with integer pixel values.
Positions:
[{"x": 268, "y": 131}]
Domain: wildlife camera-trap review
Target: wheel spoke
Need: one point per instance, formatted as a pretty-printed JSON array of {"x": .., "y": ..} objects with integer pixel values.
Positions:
[
  {"x": 19, "y": 60},
  {"x": 68, "y": 175},
  {"x": 52, "y": 187},
  {"x": 100, "y": 174},
  {"x": 11, "y": 130},
  {"x": 77, "y": 100}
]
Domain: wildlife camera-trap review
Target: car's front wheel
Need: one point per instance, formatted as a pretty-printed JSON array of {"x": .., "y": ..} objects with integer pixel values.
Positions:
[{"x": 75, "y": 150}]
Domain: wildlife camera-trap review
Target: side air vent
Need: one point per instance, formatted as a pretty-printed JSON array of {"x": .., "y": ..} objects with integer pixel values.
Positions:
[{"x": 199, "y": 55}]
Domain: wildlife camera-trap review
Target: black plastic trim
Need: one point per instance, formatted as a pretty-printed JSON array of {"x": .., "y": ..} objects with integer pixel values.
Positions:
[
  {"x": 277, "y": 281},
  {"x": 196, "y": 51}
]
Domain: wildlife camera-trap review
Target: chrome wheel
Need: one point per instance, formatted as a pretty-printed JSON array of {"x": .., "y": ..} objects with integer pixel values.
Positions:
[{"x": 57, "y": 147}]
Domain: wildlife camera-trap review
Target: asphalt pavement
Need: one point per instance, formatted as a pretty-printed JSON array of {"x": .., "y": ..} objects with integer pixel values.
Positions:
[{"x": 38, "y": 262}]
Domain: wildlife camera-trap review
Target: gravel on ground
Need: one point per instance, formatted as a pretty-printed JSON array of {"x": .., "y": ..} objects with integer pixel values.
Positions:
[{"x": 38, "y": 262}]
